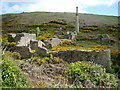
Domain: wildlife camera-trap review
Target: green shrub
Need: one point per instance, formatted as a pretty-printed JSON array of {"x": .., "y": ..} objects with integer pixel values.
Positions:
[
  {"x": 11, "y": 39},
  {"x": 116, "y": 68},
  {"x": 16, "y": 55},
  {"x": 37, "y": 31},
  {"x": 12, "y": 75},
  {"x": 115, "y": 56},
  {"x": 82, "y": 71}
]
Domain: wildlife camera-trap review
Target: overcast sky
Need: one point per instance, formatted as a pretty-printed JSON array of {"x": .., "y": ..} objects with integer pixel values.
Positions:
[{"x": 102, "y": 7}]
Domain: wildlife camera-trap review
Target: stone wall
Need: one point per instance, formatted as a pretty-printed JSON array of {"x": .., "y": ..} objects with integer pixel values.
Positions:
[
  {"x": 26, "y": 43},
  {"x": 23, "y": 39},
  {"x": 100, "y": 57}
]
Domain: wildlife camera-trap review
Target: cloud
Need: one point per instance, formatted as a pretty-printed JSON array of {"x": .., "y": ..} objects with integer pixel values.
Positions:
[{"x": 52, "y": 5}]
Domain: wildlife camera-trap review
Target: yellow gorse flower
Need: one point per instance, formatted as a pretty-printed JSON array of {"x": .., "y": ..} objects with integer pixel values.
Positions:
[
  {"x": 51, "y": 56},
  {"x": 43, "y": 60},
  {"x": 115, "y": 52},
  {"x": 67, "y": 41},
  {"x": 41, "y": 84},
  {"x": 10, "y": 43},
  {"x": 96, "y": 47},
  {"x": 45, "y": 36},
  {"x": 33, "y": 51},
  {"x": 100, "y": 46},
  {"x": 56, "y": 59}
]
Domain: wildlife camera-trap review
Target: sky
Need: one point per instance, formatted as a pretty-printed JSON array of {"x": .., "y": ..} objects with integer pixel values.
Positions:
[{"x": 101, "y": 7}]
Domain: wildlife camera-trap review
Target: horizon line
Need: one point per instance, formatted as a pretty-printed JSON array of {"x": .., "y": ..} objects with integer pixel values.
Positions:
[{"x": 55, "y": 12}]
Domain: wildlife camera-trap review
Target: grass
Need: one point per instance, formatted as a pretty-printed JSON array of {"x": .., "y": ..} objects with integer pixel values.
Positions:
[{"x": 41, "y": 17}]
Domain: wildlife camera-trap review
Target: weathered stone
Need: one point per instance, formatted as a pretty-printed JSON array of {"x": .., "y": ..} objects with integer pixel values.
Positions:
[
  {"x": 12, "y": 34},
  {"x": 41, "y": 44},
  {"x": 73, "y": 34},
  {"x": 41, "y": 50},
  {"x": 24, "y": 51},
  {"x": 18, "y": 37},
  {"x": 30, "y": 36},
  {"x": 70, "y": 35},
  {"x": 100, "y": 57},
  {"x": 34, "y": 44},
  {"x": 26, "y": 43},
  {"x": 37, "y": 46},
  {"x": 54, "y": 41},
  {"x": 23, "y": 39}
]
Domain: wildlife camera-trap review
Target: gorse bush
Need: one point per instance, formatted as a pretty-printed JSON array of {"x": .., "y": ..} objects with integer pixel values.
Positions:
[
  {"x": 68, "y": 42},
  {"x": 58, "y": 22},
  {"x": 65, "y": 46},
  {"x": 45, "y": 36},
  {"x": 41, "y": 84},
  {"x": 49, "y": 59},
  {"x": 100, "y": 46},
  {"x": 11, "y": 55},
  {"x": 57, "y": 48},
  {"x": 16, "y": 55},
  {"x": 81, "y": 71},
  {"x": 10, "y": 43},
  {"x": 89, "y": 27},
  {"x": 12, "y": 75}
]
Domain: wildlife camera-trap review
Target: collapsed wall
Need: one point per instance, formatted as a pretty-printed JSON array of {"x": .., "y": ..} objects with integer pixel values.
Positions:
[
  {"x": 100, "y": 57},
  {"x": 26, "y": 43}
]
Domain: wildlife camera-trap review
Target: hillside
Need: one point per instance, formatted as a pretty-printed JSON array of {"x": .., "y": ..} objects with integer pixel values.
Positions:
[
  {"x": 44, "y": 17},
  {"x": 64, "y": 58}
]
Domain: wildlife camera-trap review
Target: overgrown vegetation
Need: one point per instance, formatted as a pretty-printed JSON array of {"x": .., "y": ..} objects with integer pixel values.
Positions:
[
  {"x": 12, "y": 75},
  {"x": 75, "y": 74},
  {"x": 46, "y": 59},
  {"x": 81, "y": 71}
]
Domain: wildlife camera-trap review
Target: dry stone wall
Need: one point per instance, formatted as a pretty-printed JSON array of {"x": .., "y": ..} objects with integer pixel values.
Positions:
[{"x": 100, "y": 57}]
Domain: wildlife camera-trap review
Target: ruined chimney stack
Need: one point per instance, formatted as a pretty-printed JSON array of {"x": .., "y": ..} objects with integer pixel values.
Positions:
[{"x": 77, "y": 21}]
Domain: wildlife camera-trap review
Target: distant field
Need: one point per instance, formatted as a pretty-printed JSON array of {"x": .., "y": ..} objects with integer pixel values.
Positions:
[{"x": 44, "y": 17}]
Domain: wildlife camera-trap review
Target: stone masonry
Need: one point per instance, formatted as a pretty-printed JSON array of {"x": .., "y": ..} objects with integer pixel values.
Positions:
[
  {"x": 26, "y": 43},
  {"x": 100, "y": 57}
]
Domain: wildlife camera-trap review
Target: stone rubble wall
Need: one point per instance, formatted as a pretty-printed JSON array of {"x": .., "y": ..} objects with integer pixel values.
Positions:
[
  {"x": 100, "y": 57},
  {"x": 23, "y": 39},
  {"x": 26, "y": 43}
]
